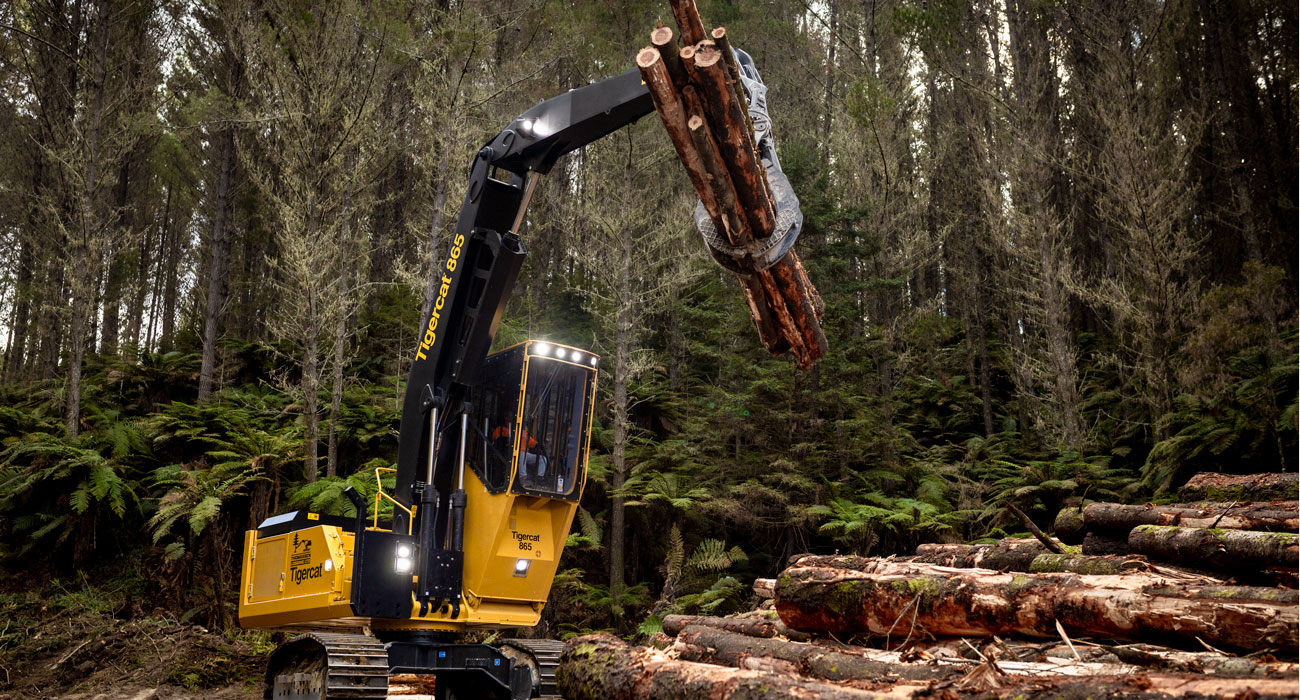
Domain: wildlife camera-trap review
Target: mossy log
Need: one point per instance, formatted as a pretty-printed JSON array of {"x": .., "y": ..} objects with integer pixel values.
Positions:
[
  {"x": 1007, "y": 555},
  {"x": 602, "y": 667},
  {"x": 901, "y": 598},
  {"x": 1212, "y": 486},
  {"x": 1033, "y": 558},
  {"x": 1084, "y": 564},
  {"x": 1114, "y": 517},
  {"x": 1217, "y": 548},
  {"x": 1069, "y": 527},
  {"x": 751, "y": 625},
  {"x": 1100, "y": 544},
  {"x": 1149, "y": 656},
  {"x": 715, "y": 646}
]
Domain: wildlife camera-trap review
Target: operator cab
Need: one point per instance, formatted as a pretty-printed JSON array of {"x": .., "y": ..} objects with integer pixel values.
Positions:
[{"x": 532, "y": 414}]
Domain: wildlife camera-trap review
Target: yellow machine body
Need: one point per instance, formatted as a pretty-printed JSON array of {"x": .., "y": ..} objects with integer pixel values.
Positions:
[{"x": 305, "y": 574}]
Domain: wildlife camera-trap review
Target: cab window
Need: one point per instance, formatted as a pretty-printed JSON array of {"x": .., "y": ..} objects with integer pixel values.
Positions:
[
  {"x": 491, "y": 445},
  {"x": 553, "y": 430}
]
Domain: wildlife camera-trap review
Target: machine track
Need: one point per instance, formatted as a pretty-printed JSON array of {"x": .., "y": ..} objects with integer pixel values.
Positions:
[
  {"x": 325, "y": 666},
  {"x": 545, "y": 654}
]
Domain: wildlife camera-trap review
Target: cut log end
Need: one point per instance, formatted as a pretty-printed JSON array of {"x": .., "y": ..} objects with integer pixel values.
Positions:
[
  {"x": 647, "y": 57},
  {"x": 661, "y": 36},
  {"x": 707, "y": 57}
]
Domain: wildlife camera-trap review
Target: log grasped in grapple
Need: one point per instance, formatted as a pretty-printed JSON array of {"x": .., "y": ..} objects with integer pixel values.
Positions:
[{"x": 698, "y": 94}]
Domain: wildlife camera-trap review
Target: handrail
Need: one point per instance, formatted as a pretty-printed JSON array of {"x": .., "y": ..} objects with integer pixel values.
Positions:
[{"x": 380, "y": 492}]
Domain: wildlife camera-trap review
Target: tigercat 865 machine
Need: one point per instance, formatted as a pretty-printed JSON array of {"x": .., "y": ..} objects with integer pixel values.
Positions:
[{"x": 492, "y": 460}]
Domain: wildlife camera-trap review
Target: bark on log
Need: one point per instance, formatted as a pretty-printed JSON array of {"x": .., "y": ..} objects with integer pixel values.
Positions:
[
  {"x": 799, "y": 304},
  {"x": 1211, "y": 486},
  {"x": 720, "y": 39},
  {"x": 688, "y": 20},
  {"x": 727, "y": 120},
  {"x": 662, "y": 39},
  {"x": 764, "y": 317},
  {"x": 1007, "y": 555},
  {"x": 671, "y": 112},
  {"x": 708, "y": 645},
  {"x": 1069, "y": 527},
  {"x": 1150, "y": 656},
  {"x": 765, "y": 587},
  {"x": 1031, "y": 559},
  {"x": 1097, "y": 544},
  {"x": 1147, "y": 686},
  {"x": 1217, "y": 548},
  {"x": 602, "y": 667},
  {"x": 977, "y": 602},
  {"x": 1113, "y": 517},
  {"x": 737, "y": 227},
  {"x": 749, "y": 625}
]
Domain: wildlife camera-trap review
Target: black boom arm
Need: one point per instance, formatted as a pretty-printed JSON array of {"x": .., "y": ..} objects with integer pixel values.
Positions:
[{"x": 479, "y": 273}]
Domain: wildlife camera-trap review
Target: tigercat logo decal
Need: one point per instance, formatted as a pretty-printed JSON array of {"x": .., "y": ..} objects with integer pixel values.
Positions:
[
  {"x": 300, "y": 575},
  {"x": 431, "y": 332},
  {"x": 525, "y": 540}
]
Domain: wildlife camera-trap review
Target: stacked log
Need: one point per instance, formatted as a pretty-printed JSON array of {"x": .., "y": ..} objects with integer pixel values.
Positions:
[
  {"x": 699, "y": 98},
  {"x": 839, "y": 599},
  {"x": 885, "y": 598},
  {"x": 1212, "y": 486},
  {"x": 1247, "y": 541}
]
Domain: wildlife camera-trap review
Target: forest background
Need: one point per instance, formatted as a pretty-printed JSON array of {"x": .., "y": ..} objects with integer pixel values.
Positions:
[{"x": 1057, "y": 241}]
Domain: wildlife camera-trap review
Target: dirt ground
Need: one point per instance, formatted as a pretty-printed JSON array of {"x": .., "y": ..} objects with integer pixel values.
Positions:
[{"x": 76, "y": 645}]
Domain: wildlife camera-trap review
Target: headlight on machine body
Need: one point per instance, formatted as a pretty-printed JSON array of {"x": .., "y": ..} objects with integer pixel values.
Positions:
[
  {"x": 521, "y": 567},
  {"x": 403, "y": 562}
]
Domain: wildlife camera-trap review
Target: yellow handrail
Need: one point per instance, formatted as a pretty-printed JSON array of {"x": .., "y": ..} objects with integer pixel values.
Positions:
[{"x": 380, "y": 492}]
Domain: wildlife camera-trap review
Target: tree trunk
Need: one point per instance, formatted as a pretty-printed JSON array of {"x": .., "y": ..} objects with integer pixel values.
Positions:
[
  {"x": 1216, "y": 548},
  {"x": 1212, "y": 486},
  {"x": 1097, "y": 544},
  {"x": 1211, "y": 663},
  {"x": 887, "y": 598},
  {"x": 828, "y": 98},
  {"x": 1114, "y": 517},
  {"x": 603, "y": 667},
  {"x": 753, "y": 625},
  {"x": 218, "y": 257},
  {"x": 715, "y": 646},
  {"x": 117, "y": 265},
  {"x": 1007, "y": 555},
  {"x": 622, "y": 361},
  {"x": 435, "y": 234},
  {"x": 310, "y": 389},
  {"x": 135, "y": 309},
  {"x": 170, "y": 276},
  {"x": 15, "y": 361},
  {"x": 84, "y": 258},
  {"x": 343, "y": 309},
  {"x": 1069, "y": 526}
]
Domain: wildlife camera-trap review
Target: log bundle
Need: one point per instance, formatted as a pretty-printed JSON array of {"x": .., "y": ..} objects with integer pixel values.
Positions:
[
  {"x": 1244, "y": 540},
  {"x": 891, "y": 599},
  {"x": 837, "y": 615},
  {"x": 699, "y": 98}
]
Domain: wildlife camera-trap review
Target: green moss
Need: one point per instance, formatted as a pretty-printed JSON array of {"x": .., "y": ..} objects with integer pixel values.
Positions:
[
  {"x": 845, "y": 596},
  {"x": 1020, "y": 582}
]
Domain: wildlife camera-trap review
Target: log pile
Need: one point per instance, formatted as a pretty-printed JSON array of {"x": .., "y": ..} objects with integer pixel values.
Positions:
[
  {"x": 1248, "y": 541},
  {"x": 943, "y": 643},
  {"x": 698, "y": 95},
  {"x": 1023, "y": 618}
]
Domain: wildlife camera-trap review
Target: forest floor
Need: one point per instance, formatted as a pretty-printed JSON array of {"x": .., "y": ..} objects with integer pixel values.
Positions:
[{"x": 87, "y": 643}]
